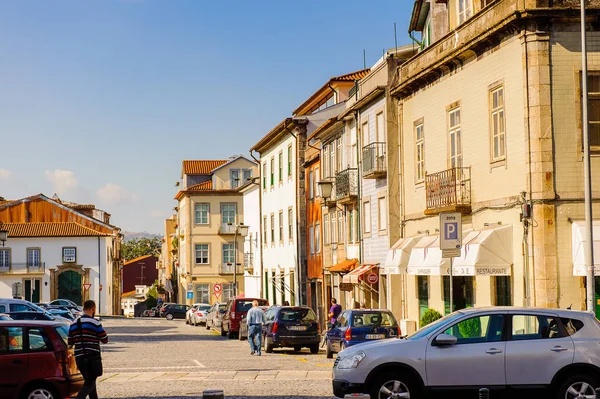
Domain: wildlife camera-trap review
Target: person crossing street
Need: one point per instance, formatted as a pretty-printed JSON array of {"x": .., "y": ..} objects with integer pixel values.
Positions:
[{"x": 255, "y": 320}]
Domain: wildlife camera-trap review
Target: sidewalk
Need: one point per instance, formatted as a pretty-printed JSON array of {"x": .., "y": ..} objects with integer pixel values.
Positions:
[{"x": 216, "y": 375}]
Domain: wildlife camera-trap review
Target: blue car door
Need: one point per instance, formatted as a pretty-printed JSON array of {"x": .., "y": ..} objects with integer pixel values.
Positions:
[{"x": 336, "y": 334}]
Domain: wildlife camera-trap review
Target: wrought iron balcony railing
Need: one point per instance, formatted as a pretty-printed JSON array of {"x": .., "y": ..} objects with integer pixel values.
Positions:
[
  {"x": 346, "y": 185},
  {"x": 22, "y": 268},
  {"x": 227, "y": 268},
  {"x": 227, "y": 229},
  {"x": 374, "y": 161},
  {"x": 448, "y": 191},
  {"x": 248, "y": 260}
]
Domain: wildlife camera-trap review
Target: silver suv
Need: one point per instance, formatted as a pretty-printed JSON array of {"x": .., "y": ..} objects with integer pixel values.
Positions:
[{"x": 554, "y": 350}]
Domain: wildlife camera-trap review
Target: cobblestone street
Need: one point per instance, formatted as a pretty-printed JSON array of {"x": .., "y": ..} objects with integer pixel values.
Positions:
[{"x": 169, "y": 359}]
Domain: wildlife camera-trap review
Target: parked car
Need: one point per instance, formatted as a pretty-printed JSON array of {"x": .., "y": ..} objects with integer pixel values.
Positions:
[
  {"x": 18, "y": 305},
  {"x": 4, "y": 316},
  {"x": 175, "y": 311},
  {"x": 243, "y": 333},
  {"x": 236, "y": 309},
  {"x": 66, "y": 303},
  {"x": 198, "y": 316},
  {"x": 215, "y": 315},
  {"x": 62, "y": 312},
  {"x": 152, "y": 312},
  {"x": 161, "y": 310},
  {"x": 36, "y": 360},
  {"x": 504, "y": 348},
  {"x": 188, "y": 314},
  {"x": 41, "y": 316},
  {"x": 291, "y": 326},
  {"x": 356, "y": 326},
  {"x": 43, "y": 305}
]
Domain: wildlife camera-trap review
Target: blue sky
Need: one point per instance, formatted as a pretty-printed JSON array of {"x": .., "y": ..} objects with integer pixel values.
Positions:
[{"x": 101, "y": 100}]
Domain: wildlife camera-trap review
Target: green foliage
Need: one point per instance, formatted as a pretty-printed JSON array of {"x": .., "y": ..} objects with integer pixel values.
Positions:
[
  {"x": 429, "y": 317},
  {"x": 137, "y": 247},
  {"x": 470, "y": 328},
  {"x": 151, "y": 302},
  {"x": 152, "y": 291}
]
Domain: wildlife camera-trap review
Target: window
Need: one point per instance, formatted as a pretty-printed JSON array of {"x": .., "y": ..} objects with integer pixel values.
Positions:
[
  {"x": 334, "y": 228},
  {"x": 498, "y": 126},
  {"x": 311, "y": 184},
  {"x": 280, "y": 226},
  {"x": 465, "y": 10},
  {"x": 351, "y": 226},
  {"x": 332, "y": 164},
  {"x": 272, "y": 229},
  {"x": 69, "y": 255},
  {"x": 272, "y": 171},
  {"x": 365, "y": 134},
  {"x": 265, "y": 242},
  {"x": 380, "y": 127},
  {"x": 33, "y": 257},
  {"x": 382, "y": 213},
  {"x": 201, "y": 212},
  {"x": 11, "y": 340},
  {"x": 503, "y": 291},
  {"x": 234, "y": 176},
  {"x": 317, "y": 179},
  {"x": 419, "y": 153},
  {"x": 228, "y": 212},
  {"x": 246, "y": 175},
  {"x": 4, "y": 258},
  {"x": 289, "y": 160},
  {"x": 530, "y": 327},
  {"x": 423, "y": 294},
  {"x": 594, "y": 110},
  {"x": 311, "y": 239},
  {"x": 201, "y": 254},
  {"x": 326, "y": 161},
  {"x": 454, "y": 137},
  {"x": 38, "y": 340},
  {"x": 572, "y": 325},
  {"x": 290, "y": 224},
  {"x": 341, "y": 227},
  {"x": 228, "y": 254},
  {"x": 478, "y": 329},
  {"x": 264, "y": 176},
  {"x": 318, "y": 237},
  {"x": 280, "y": 167},
  {"x": 326, "y": 237},
  {"x": 339, "y": 155},
  {"x": 366, "y": 217},
  {"x": 227, "y": 292}
]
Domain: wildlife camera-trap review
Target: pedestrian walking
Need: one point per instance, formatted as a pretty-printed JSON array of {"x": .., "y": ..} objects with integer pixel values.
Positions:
[
  {"x": 255, "y": 320},
  {"x": 85, "y": 334},
  {"x": 334, "y": 311}
]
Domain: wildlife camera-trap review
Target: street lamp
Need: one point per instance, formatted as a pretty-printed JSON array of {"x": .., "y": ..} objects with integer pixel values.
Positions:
[
  {"x": 325, "y": 188},
  {"x": 242, "y": 230},
  {"x": 3, "y": 234}
]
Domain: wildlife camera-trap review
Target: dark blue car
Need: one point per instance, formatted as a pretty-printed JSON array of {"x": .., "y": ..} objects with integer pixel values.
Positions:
[
  {"x": 291, "y": 326},
  {"x": 360, "y": 325}
]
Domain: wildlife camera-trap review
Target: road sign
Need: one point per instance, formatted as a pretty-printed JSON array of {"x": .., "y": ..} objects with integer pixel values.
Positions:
[
  {"x": 190, "y": 295},
  {"x": 451, "y": 253},
  {"x": 86, "y": 287},
  {"x": 217, "y": 289},
  {"x": 450, "y": 230},
  {"x": 190, "y": 287},
  {"x": 372, "y": 278}
]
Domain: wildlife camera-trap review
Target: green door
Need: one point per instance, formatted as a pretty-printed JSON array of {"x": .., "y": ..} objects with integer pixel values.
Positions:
[
  {"x": 32, "y": 290},
  {"x": 69, "y": 286}
]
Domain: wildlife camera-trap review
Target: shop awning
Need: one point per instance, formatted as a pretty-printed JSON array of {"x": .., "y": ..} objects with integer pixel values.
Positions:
[
  {"x": 398, "y": 256},
  {"x": 578, "y": 229},
  {"x": 344, "y": 266},
  {"x": 354, "y": 276},
  {"x": 486, "y": 252},
  {"x": 426, "y": 258}
]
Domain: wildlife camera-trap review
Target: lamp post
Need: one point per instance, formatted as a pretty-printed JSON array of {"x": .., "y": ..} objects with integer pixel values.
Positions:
[
  {"x": 325, "y": 188},
  {"x": 242, "y": 230}
]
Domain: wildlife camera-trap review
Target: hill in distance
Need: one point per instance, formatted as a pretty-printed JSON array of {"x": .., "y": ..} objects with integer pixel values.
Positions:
[{"x": 130, "y": 235}]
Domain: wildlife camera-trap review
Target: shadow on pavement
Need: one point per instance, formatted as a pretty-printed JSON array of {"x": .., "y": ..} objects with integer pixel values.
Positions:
[{"x": 199, "y": 396}]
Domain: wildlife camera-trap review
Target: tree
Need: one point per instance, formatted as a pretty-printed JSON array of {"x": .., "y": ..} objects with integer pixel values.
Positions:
[
  {"x": 137, "y": 247},
  {"x": 429, "y": 317}
]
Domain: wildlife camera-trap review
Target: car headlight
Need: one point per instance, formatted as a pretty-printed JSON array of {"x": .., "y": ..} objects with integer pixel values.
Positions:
[{"x": 352, "y": 361}]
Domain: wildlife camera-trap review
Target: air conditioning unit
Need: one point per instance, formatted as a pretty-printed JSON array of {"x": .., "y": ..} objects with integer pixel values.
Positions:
[{"x": 407, "y": 326}]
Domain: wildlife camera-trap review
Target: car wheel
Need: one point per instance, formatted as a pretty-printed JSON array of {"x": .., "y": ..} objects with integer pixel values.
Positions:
[
  {"x": 230, "y": 334},
  {"x": 222, "y": 331},
  {"x": 169, "y": 316},
  {"x": 268, "y": 346},
  {"x": 240, "y": 336},
  {"x": 314, "y": 349},
  {"x": 393, "y": 385},
  {"x": 207, "y": 326},
  {"x": 187, "y": 321},
  {"x": 578, "y": 386},
  {"x": 297, "y": 348},
  {"x": 40, "y": 392},
  {"x": 328, "y": 351}
]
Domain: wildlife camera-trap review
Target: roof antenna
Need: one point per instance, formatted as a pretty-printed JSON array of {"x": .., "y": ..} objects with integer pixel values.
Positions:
[
  {"x": 364, "y": 59},
  {"x": 395, "y": 40}
]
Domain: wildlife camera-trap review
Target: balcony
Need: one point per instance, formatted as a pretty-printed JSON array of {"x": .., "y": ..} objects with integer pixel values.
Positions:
[
  {"x": 374, "y": 161},
  {"x": 227, "y": 268},
  {"x": 249, "y": 262},
  {"x": 227, "y": 229},
  {"x": 23, "y": 268},
  {"x": 346, "y": 186},
  {"x": 448, "y": 191}
]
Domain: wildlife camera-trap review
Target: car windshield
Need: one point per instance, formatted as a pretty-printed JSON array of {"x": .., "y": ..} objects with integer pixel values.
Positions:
[
  {"x": 244, "y": 305},
  {"x": 302, "y": 314},
  {"x": 223, "y": 306},
  {"x": 434, "y": 326},
  {"x": 203, "y": 307},
  {"x": 63, "y": 331},
  {"x": 373, "y": 319}
]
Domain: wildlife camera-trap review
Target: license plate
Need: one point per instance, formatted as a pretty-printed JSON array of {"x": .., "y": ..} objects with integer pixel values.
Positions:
[
  {"x": 297, "y": 328},
  {"x": 375, "y": 336}
]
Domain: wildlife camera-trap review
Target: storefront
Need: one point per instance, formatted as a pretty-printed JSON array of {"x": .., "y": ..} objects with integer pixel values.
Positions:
[
  {"x": 392, "y": 286},
  {"x": 365, "y": 281},
  {"x": 579, "y": 260}
]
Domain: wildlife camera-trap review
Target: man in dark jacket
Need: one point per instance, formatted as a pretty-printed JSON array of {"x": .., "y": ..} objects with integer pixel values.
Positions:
[{"x": 85, "y": 334}]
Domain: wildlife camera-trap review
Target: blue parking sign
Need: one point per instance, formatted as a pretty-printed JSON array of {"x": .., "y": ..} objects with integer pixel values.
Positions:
[
  {"x": 450, "y": 230},
  {"x": 190, "y": 295}
]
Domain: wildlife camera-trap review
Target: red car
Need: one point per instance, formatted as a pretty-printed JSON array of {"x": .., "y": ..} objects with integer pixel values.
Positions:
[
  {"x": 35, "y": 361},
  {"x": 236, "y": 309}
]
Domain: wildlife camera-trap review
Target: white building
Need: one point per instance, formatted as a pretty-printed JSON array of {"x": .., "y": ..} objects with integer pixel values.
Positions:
[{"x": 252, "y": 241}]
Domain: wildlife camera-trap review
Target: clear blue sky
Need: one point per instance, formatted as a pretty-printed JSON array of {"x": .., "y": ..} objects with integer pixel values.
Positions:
[{"x": 101, "y": 100}]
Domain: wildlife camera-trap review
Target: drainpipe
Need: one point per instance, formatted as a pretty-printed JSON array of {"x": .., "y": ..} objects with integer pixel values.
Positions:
[
  {"x": 526, "y": 253},
  {"x": 99, "y": 280},
  {"x": 359, "y": 185},
  {"x": 260, "y": 221}
]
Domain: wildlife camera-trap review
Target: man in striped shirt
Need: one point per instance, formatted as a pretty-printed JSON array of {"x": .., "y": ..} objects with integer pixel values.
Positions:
[{"x": 85, "y": 334}]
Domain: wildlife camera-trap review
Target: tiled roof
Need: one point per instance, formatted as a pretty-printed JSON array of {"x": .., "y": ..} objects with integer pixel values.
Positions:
[
  {"x": 139, "y": 258},
  {"x": 207, "y": 185},
  {"x": 50, "y": 229},
  {"x": 203, "y": 167},
  {"x": 81, "y": 207},
  {"x": 128, "y": 294}
]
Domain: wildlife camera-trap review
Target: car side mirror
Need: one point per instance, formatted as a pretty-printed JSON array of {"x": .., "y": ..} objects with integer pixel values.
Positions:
[{"x": 445, "y": 340}]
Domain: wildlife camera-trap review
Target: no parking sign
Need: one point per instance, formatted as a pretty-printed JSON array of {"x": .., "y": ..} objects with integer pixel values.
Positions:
[{"x": 217, "y": 289}]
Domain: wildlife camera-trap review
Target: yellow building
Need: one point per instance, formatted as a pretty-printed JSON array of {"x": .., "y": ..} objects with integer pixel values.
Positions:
[{"x": 208, "y": 237}]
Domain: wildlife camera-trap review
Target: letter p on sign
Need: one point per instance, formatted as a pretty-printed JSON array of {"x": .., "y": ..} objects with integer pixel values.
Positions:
[{"x": 450, "y": 230}]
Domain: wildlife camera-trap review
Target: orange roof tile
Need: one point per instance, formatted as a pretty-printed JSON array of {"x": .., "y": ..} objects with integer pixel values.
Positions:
[
  {"x": 207, "y": 185},
  {"x": 50, "y": 229},
  {"x": 79, "y": 207},
  {"x": 201, "y": 167}
]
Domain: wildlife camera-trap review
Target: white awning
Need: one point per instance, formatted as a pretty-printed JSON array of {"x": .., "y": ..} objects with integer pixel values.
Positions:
[
  {"x": 578, "y": 252},
  {"x": 426, "y": 258},
  {"x": 398, "y": 256},
  {"x": 355, "y": 275},
  {"x": 486, "y": 252}
]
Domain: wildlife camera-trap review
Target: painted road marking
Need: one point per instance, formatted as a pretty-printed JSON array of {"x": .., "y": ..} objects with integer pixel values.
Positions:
[{"x": 199, "y": 364}]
